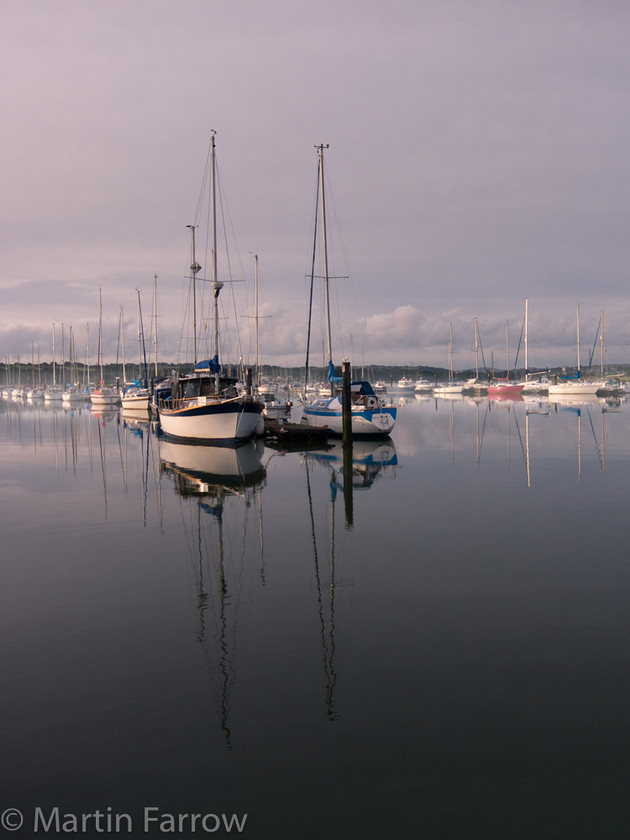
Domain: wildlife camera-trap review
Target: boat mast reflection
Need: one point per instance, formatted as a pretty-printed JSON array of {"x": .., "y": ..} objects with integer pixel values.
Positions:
[
  {"x": 352, "y": 466},
  {"x": 212, "y": 475}
]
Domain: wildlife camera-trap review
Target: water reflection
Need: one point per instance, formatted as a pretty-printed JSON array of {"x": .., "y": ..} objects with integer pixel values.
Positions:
[
  {"x": 289, "y": 646},
  {"x": 199, "y": 470},
  {"x": 369, "y": 460},
  {"x": 209, "y": 476}
]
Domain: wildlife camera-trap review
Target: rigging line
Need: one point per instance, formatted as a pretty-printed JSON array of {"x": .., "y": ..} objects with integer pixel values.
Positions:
[
  {"x": 101, "y": 444},
  {"x": 320, "y": 604},
  {"x": 122, "y": 459},
  {"x": 518, "y": 430},
  {"x": 145, "y": 481},
  {"x": 518, "y": 346},
  {"x": 483, "y": 431},
  {"x": 590, "y": 358},
  {"x": 485, "y": 366},
  {"x": 225, "y": 213},
  {"x": 204, "y": 181},
  {"x": 597, "y": 446}
]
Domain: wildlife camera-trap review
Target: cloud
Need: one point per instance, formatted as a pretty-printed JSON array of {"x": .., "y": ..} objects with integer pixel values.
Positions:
[{"x": 477, "y": 157}]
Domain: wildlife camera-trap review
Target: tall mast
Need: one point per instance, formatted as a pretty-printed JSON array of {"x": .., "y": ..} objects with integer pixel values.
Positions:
[
  {"x": 507, "y": 352},
  {"x": 139, "y": 317},
  {"x": 217, "y": 284},
  {"x": 526, "y": 327},
  {"x": 122, "y": 344},
  {"x": 155, "y": 341},
  {"x": 320, "y": 152},
  {"x": 194, "y": 269},
  {"x": 578, "y": 339},
  {"x": 601, "y": 348},
  {"x": 63, "y": 357},
  {"x": 476, "y": 350},
  {"x": 86, "y": 383},
  {"x": 142, "y": 353},
  {"x": 100, "y": 336},
  {"x": 256, "y": 314},
  {"x": 54, "y": 378},
  {"x": 71, "y": 354}
]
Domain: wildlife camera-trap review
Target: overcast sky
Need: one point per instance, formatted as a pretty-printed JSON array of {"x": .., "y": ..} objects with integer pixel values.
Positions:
[{"x": 478, "y": 157}]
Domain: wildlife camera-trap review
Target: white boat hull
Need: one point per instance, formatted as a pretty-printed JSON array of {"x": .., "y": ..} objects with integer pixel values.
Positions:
[
  {"x": 365, "y": 421},
  {"x": 203, "y": 419},
  {"x": 212, "y": 465},
  {"x": 570, "y": 389},
  {"x": 439, "y": 390},
  {"x": 136, "y": 403},
  {"x": 104, "y": 399}
]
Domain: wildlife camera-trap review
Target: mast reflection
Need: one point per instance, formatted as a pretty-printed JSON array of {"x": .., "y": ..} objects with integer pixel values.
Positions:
[{"x": 212, "y": 476}]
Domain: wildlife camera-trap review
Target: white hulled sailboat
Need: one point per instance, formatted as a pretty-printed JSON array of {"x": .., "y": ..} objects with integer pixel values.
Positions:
[
  {"x": 205, "y": 405},
  {"x": 370, "y": 415}
]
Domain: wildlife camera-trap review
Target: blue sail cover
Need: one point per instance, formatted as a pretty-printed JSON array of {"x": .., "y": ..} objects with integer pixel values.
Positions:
[
  {"x": 209, "y": 364},
  {"x": 331, "y": 374}
]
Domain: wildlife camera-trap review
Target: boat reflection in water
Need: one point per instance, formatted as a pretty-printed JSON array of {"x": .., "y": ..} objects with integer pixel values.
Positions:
[
  {"x": 369, "y": 460},
  {"x": 363, "y": 460},
  {"x": 200, "y": 470},
  {"x": 221, "y": 480}
]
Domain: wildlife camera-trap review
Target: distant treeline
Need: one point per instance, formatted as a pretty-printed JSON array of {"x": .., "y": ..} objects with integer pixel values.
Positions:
[{"x": 26, "y": 374}]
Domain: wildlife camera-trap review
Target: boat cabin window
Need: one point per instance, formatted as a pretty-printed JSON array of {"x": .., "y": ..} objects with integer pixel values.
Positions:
[{"x": 192, "y": 389}]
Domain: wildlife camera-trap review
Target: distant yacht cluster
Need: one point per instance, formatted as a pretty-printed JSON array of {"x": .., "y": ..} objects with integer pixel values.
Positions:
[{"x": 538, "y": 384}]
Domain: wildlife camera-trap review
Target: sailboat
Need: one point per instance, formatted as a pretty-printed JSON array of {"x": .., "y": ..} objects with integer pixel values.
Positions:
[
  {"x": 103, "y": 394},
  {"x": 476, "y": 385},
  {"x": 370, "y": 415},
  {"x": 205, "y": 405},
  {"x": 576, "y": 386},
  {"x": 536, "y": 382},
  {"x": 506, "y": 388},
  {"x": 450, "y": 387},
  {"x": 136, "y": 396},
  {"x": 73, "y": 394},
  {"x": 54, "y": 392}
]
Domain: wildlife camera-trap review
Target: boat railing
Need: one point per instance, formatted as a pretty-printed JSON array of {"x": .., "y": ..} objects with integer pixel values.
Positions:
[{"x": 170, "y": 404}]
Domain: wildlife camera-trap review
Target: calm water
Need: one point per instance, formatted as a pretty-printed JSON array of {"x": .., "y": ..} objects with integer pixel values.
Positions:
[{"x": 443, "y": 652}]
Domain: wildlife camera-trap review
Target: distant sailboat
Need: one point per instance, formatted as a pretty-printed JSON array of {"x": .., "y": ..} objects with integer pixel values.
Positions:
[
  {"x": 54, "y": 392},
  {"x": 450, "y": 387},
  {"x": 136, "y": 396},
  {"x": 576, "y": 386},
  {"x": 476, "y": 385},
  {"x": 505, "y": 388},
  {"x": 103, "y": 394}
]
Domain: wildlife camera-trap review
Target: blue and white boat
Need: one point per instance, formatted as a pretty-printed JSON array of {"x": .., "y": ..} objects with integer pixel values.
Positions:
[{"x": 370, "y": 414}]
